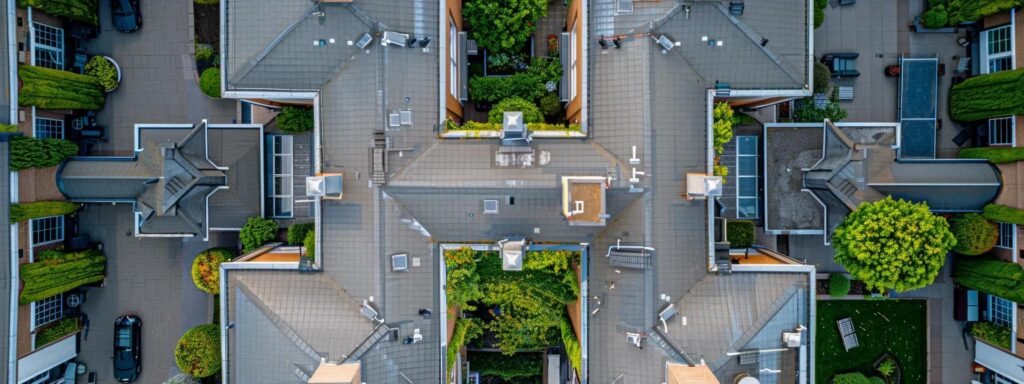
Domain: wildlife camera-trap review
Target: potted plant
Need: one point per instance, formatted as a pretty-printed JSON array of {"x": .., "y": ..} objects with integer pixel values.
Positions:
[
  {"x": 893, "y": 70},
  {"x": 106, "y": 70}
]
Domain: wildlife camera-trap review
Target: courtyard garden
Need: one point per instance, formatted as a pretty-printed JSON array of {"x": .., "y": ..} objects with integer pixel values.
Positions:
[
  {"x": 505, "y": 318},
  {"x": 887, "y": 330}
]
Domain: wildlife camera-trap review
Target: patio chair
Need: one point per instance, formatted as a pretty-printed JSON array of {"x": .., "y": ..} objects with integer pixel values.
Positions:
[{"x": 845, "y": 93}]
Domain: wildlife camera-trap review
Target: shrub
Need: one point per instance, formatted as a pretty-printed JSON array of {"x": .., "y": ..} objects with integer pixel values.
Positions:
[
  {"x": 78, "y": 10},
  {"x": 295, "y": 119},
  {"x": 893, "y": 244},
  {"x": 720, "y": 170},
  {"x": 546, "y": 69},
  {"x": 256, "y": 232},
  {"x": 819, "y": 12},
  {"x": 887, "y": 367},
  {"x": 310, "y": 243},
  {"x": 508, "y": 368},
  {"x": 1004, "y": 214},
  {"x": 22, "y": 212},
  {"x": 478, "y": 126},
  {"x": 981, "y": 97},
  {"x": 822, "y": 77},
  {"x": 56, "y": 331},
  {"x": 297, "y": 233},
  {"x": 198, "y": 351},
  {"x": 28, "y": 152},
  {"x": 994, "y": 155},
  {"x": 103, "y": 70},
  {"x": 961, "y": 11},
  {"x": 209, "y": 82},
  {"x": 935, "y": 17},
  {"x": 838, "y": 285},
  {"x": 206, "y": 269},
  {"x": 531, "y": 114},
  {"x": 494, "y": 89},
  {"x": 974, "y": 235},
  {"x": 994, "y": 334},
  {"x": 994, "y": 277},
  {"x": 503, "y": 25},
  {"x": 182, "y": 378},
  {"x": 551, "y": 106},
  {"x": 740, "y": 233},
  {"x": 806, "y": 112},
  {"x": 55, "y": 89},
  {"x": 877, "y": 380},
  {"x": 572, "y": 344},
  {"x": 851, "y": 378},
  {"x": 8, "y": 128},
  {"x": 204, "y": 52},
  {"x": 60, "y": 272},
  {"x": 465, "y": 330},
  {"x": 723, "y": 120}
]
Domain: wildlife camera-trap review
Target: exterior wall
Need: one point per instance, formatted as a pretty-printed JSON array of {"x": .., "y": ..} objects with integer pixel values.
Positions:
[
  {"x": 757, "y": 103},
  {"x": 1019, "y": 35},
  {"x": 574, "y": 109},
  {"x": 1019, "y": 332},
  {"x": 452, "y": 103}
]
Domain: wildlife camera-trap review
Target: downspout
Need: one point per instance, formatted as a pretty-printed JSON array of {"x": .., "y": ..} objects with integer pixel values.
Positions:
[
  {"x": 12, "y": 85},
  {"x": 12, "y": 62},
  {"x": 224, "y": 325},
  {"x": 442, "y": 53}
]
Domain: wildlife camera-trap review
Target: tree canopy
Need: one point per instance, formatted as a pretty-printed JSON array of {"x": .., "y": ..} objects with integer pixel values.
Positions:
[
  {"x": 503, "y": 25},
  {"x": 893, "y": 244}
]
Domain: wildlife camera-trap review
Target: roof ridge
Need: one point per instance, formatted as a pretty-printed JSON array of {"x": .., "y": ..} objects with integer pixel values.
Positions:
[{"x": 765, "y": 317}]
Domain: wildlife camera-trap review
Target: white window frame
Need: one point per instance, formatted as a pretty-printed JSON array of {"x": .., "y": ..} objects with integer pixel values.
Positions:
[
  {"x": 47, "y": 128},
  {"x": 1000, "y": 379},
  {"x": 756, "y": 177},
  {"x": 47, "y": 55},
  {"x": 572, "y": 62},
  {"x": 1000, "y": 311},
  {"x": 1002, "y": 131},
  {"x": 453, "y": 58},
  {"x": 52, "y": 307},
  {"x": 282, "y": 175},
  {"x": 1007, "y": 235},
  {"x": 34, "y": 227},
  {"x": 989, "y": 58}
]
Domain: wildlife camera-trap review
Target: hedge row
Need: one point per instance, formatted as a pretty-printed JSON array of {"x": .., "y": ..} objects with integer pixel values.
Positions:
[
  {"x": 508, "y": 368},
  {"x": 60, "y": 274},
  {"x": 310, "y": 244},
  {"x": 1004, "y": 214},
  {"x": 994, "y": 155},
  {"x": 27, "y": 211},
  {"x": 478, "y": 126},
  {"x": 994, "y": 277},
  {"x": 78, "y": 10},
  {"x": 55, "y": 89},
  {"x": 29, "y": 152},
  {"x": 492, "y": 89},
  {"x": 465, "y": 330},
  {"x": 206, "y": 269},
  {"x": 198, "y": 351},
  {"x": 953, "y": 12},
  {"x": 572, "y": 345},
  {"x": 986, "y": 96},
  {"x": 61, "y": 328}
]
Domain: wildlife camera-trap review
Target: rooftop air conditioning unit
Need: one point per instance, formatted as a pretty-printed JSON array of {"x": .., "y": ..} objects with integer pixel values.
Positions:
[
  {"x": 701, "y": 186},
  {"x": 325, "y": 186}
]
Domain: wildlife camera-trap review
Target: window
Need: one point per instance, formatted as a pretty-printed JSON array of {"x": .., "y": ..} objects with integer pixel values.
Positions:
[
  {"x": 1000, "y": 379},
  {"x": 1000, "y": 311},
  {"x": 998, "y": 48},
  {"x": 1000, "y": 131},
  {"x": 47, "y": 310},
  {"x": 453, "y": 58},
  {"x": 747, "y": 178},
  {"x": 48, "y": 44},
  {"x": 1006, "y": 232},
  {"x": 47, "y": 230},
  {"x": 572, "y": 63},
  {"x": 280, "y": 176},
  {"x": 49, "y": 128}
]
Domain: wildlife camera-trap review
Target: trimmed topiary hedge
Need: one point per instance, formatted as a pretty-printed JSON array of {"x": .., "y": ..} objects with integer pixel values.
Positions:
[
  {"x": 1004, "y": 214},
  {"x": 60, "y": 272},
  {"x": 56, "y": 331},
  {"x": 994, "y": 155},
  {"x": 209, "y": 82},
  {"x": 297, "y": 233},
  {"x": 740, "y": 233},
  {"x": 994, "y": 277},
  {"x": 531, "y": 113},
  {"x": 206, "y": 269},
  {"x": 974, "y": 235},
  {"x": 838, "y": 285},
  {"x": 198, "y": 351},
  {"x": 29, "y": 152},
  {"x": 493, "y": 89},
  {"x": 295, "y": 119},
  {"x": 256, "y": 232},
  {"x": 78, "y": 10},
  {"x": 986, "y": 96},
  {"x": 55, "y": 89},
  {"x": 27, "y": 211},
  {"x": 572, "y": 344},
  {"x": 515, "y": 368}
]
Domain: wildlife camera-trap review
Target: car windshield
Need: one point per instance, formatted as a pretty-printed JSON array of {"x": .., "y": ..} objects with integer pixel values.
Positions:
[
  {"x": 123, "y": 338},
  {"x": 120, "y": 7}
]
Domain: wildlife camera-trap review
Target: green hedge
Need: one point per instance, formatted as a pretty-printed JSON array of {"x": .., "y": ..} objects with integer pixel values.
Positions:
[
  {"x": 206, "y": 269},
  {"x": 8, "y": 128},
  {"x": 55, "y": 331},
  {"x": 207, "y": 2},
  {"x": 994, "y": 155},
  {"x": 819, "y": 12},
  {"x": 198, "y": 351},
  {"x": 974, "y": 234},
  {"x": 493, "y": 89},
  {"x": 55, "y": 89},
  {"x": 994, "y": 334},
  {"x": 851, "y": 378},
  {"x": 209, "y": 82},
  {"x": 838, "y": 285},
  {"x": 1004, "y": 214},
  {"x": 103, "y": 70},
  {"x": 60, "y": 273},
  {"x": 22, "y": 212},
  {"x": 531, "y": 113},
  {"x": 508, "y": 368},
  {"x": 740, "y": 233},
  {"x": 310, "y": 244},
  {"x": 29, "y": 152},
  {"x": 78, "y": 10},
  {"x": 465, "y": 330},
  {"x": 256, "y": 232},
  {"x": 944, "y": 13},
  {"x": 986, "y": 96},
  {"x": 470, "y": 125},
  {"x": 994, "y": 277},
  {"x": 572, "y": 345},
  {"x": 295, "y": 119},
  {"x": 297, "y": 233}
]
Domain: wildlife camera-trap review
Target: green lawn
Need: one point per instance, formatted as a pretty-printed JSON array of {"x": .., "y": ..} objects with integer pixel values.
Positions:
[{"x": 895, "y": 326}]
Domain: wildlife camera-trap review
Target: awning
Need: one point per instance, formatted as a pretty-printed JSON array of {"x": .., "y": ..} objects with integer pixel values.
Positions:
[
  {"x": 1000, "y": 361},
  {"x": 45, "y": 359}
]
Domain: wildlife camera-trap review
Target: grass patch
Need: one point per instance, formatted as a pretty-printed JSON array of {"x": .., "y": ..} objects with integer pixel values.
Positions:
[{"x": 898, "y": 327}]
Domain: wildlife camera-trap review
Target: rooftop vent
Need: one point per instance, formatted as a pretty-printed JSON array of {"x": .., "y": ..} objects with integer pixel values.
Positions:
[
  {"x": 512, "y": 250},
  {"x": 513, "y": 130},
  {"x": 490, "y": 207},
  {"x": 326, "y": 186},
  {"x": 701, "y": 186}
]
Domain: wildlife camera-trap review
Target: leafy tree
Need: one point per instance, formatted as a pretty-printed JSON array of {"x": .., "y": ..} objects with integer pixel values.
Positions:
[
  {"x": 295, "y": 119},
  {"x": 463, "y": 284},
  {"x": 198, "y": 351},
  {"x": 297, "y": 233},
  {"x": 974, "y": 235},
  {"x": 551, "y": 106},
  {"x": 893, "y": 244},
  {"x": 531, "y": 114},
  {"x": 256, "y": 232},
  {"x": 206, "y": 269},
  {"x": 838, "y": 285},
  {"x": 822, "y": 77},
  {"x": 503, "y": 25},
  {"x": 935, "y": 17}
]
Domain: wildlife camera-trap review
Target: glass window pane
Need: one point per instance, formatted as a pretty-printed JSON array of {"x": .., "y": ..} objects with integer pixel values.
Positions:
[
  {"x": 746, "y": 145},
  {"x": 746, "y": 207},
  {"x": 747, "y": 166},
  {"x": 746, "y": 187}
]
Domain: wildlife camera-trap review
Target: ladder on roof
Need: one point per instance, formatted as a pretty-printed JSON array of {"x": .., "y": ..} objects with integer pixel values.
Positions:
[{"x": 378, "y": 159}]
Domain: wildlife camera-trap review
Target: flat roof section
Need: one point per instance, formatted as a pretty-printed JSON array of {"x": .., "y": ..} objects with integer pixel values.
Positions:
[
  {"x": 789, "y": 150},
  {"x": 583, "y": 200},
  {"x": 918, "y": 99}
]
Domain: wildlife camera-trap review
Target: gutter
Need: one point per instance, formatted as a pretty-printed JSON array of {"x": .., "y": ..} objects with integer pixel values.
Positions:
[
  {"x": 223, "y": 320},
  {"x": 12, "y": 62},
  {"x": 12, "y": 85}
]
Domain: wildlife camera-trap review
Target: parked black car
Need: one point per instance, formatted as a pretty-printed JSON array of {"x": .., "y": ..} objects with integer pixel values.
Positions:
[
  {"x": 125, "y": 15},
  {"x": 127, "y": 348}
]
